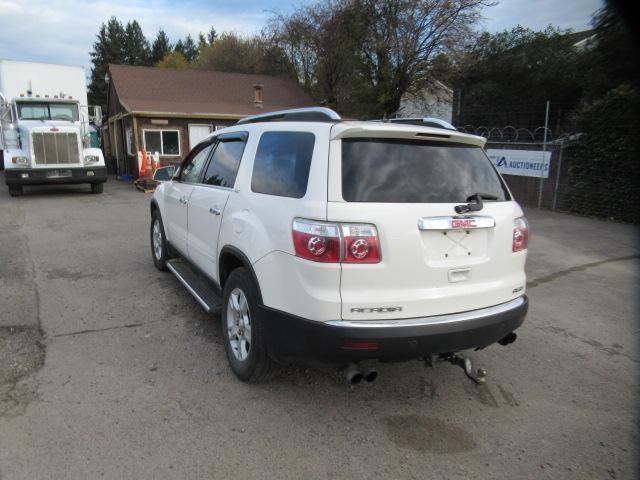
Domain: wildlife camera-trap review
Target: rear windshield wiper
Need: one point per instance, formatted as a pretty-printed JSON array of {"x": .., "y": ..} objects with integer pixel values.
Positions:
[{"x": 477, "y": 206}]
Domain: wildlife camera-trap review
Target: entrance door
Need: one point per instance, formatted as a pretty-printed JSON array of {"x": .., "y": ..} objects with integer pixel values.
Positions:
[{"x": 197, "y": 133}]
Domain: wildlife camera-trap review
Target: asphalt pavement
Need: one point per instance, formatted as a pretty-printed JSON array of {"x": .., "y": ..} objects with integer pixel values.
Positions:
[{"x": 110, "y": 369}]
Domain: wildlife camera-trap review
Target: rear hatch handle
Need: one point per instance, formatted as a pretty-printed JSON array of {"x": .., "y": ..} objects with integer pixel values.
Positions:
[{"x": 477, "y": 206}]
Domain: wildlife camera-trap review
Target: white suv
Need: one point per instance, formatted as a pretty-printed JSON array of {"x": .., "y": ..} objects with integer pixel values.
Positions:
[{"x": 334, "y": 241}]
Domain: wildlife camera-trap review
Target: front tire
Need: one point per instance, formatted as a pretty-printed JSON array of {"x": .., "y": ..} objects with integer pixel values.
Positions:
[
  {"x": 15, "y": 190},
  {"x": 159, "y": 250},
  {"x": 97, "y": 187},
  {"x": 243, "y": 329}
]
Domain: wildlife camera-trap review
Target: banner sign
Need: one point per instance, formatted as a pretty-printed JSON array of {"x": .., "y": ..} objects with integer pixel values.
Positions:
[{"x": 525, "y": 163}]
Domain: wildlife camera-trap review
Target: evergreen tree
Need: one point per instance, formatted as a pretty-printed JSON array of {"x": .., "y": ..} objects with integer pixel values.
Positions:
[
  {"x": 206, "y": 40},
  {"x": 179, "y": 47},
  {"x": 187, "y": 48},
  {"x": 190, "y": 49},
  {"x": 160, "y": 48},
  {"x": 212, "y": 36},
  {"x": 108, "y": 48},
  {"x": 202, "y": 42},
  {"x": 136, "y": 46}
]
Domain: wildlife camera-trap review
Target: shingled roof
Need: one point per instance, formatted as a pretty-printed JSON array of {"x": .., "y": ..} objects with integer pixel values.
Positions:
[{"x": 190, "y": 91}]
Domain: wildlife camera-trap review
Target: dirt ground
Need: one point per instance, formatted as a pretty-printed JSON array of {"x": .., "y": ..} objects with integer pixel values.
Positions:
[{"x": 134, "y": 383}]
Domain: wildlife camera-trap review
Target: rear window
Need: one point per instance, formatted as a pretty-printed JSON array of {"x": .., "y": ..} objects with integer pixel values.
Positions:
[
  {"x": 282, "y": 164},
  {"x": 407, "y": 171}
]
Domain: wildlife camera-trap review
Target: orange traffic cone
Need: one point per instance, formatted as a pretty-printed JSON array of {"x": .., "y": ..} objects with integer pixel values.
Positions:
[{"x": 143, "y": 167}]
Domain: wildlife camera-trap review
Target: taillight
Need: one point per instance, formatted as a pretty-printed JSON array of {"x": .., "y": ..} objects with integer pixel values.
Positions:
[
  {"x": 316, "y": 241},
  {"x": 360, "y": 244},
  {"x": 520, "y": 234},
  {"x": 335, "y": 242}
]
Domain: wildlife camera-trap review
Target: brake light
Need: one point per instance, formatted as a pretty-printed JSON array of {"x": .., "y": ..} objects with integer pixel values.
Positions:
[
  {"x": 520, "y": 234},
  {"x": 360, "y": 244},
  {"x": 335, "y": 242},
  {"x": 316, "y": 241}
]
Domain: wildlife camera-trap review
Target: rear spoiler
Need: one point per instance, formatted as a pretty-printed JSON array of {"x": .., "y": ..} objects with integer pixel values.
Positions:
[{"x": 403, "y": 131}]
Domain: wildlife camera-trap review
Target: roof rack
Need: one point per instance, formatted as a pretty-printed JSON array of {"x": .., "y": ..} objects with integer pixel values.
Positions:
[
  {"x": 425, "y": 122},
  {"x": 311, "y": 114}
]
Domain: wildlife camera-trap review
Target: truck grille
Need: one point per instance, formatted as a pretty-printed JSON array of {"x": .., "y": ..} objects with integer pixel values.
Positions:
[{"x": 55, "y": 147}]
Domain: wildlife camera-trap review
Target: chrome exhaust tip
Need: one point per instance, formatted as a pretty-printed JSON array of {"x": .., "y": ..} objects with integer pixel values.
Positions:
[
  {"x": 370, "y": 375},
  {"x": 508, "y": 339},
  {"x": 353, "y": 374}
]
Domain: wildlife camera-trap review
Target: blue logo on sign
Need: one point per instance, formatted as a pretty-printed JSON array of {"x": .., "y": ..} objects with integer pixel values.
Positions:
[{"x": 502, "y": 162}]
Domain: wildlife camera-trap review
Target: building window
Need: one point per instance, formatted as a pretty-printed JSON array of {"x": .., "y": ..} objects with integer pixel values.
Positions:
[{"x": 166, "y": 142}]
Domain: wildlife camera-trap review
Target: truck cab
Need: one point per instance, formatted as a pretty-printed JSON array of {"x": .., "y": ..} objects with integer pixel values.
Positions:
[{"x": 44, "y": 136}]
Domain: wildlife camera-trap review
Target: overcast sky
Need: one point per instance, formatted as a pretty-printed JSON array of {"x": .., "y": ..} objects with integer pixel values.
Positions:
[{"x": 63, "y": 31}]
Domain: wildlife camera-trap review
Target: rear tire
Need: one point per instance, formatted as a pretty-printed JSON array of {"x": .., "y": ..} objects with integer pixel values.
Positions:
[
  {"x": 243, "y": 329},
  {"x": 97, "y": 187},
  {"x": 159, "y": 250},
  {"x": 15, "y": 190}
]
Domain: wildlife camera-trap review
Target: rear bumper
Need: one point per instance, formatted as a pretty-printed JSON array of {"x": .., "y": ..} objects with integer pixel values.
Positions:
[
  {"x": 38, "y": 176},
  {"x": 339, "y": 342}
]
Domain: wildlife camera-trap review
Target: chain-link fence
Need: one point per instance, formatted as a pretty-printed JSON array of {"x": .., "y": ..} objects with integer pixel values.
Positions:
[{"x": 580, "y": 178}]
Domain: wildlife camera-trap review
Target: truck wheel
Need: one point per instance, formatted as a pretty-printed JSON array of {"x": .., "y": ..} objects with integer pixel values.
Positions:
[
  {"x": 159, "y": 250},
  {"x": 15, "y": 190},
  {"x": 97, "y": 187},
  {"x": 242, "y": 329}
]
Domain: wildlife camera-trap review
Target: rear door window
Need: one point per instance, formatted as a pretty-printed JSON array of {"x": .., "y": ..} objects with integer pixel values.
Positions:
[
  {"x": 282, "y": 163},
  {"x": 408, "y": 171}
]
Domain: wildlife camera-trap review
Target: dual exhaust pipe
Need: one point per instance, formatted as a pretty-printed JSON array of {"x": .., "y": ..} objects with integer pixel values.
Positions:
[{"x": 354, "y": 374}]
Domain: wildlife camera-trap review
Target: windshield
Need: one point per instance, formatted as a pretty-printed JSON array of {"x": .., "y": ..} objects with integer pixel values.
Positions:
[
  {"x": 47, "y": 111},
  {"x": 409, "y": 171}
]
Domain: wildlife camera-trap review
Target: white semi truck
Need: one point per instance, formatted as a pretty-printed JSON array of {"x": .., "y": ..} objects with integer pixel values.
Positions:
[{"x": 44, "y": 126}]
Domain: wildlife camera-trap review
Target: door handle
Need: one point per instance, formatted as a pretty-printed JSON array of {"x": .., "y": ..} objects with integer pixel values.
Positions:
[
  {"x": 183, "y": 200},
  {"x": 215, "y": 211}
]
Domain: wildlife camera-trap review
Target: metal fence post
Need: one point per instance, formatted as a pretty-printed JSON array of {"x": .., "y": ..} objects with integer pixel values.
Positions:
[
  {"x": 544, "y": 149},
  {"x": 559, "y": 168}
]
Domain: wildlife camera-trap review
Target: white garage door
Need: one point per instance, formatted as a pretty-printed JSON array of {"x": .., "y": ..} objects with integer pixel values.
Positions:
[{"x": 197, "y": 133}]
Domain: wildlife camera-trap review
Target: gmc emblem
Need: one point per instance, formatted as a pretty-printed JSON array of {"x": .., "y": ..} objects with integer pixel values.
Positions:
[{"x": 463, "y": 223}]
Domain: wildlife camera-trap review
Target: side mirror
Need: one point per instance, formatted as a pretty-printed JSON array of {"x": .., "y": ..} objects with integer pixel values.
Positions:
[{"x": 164, "y": 174}]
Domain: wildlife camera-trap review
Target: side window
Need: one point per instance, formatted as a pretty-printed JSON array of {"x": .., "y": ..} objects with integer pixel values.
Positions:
[
  {"x": 195, "y": 164},
  {"x": 282, "y": 163},
  {"x": 223, "y": 167}
]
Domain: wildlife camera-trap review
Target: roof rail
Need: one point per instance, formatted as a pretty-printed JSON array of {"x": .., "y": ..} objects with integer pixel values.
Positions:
[
  {"x": 425, "y": 122},
  {"x": 311, "y": 114}
]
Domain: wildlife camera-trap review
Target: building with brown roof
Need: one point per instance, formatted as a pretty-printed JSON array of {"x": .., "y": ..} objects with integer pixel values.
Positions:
[{"x": 168, "y": 110}]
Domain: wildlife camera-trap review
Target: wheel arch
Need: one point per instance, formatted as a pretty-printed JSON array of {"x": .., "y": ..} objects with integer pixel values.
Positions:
[
  {"x": 153, "y": 206},
  {"x": 231, "y": 258}
]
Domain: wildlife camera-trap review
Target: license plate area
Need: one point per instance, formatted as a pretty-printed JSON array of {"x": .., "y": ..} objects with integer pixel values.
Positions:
[
  {"x": 58, "y": 173},
  {"x": 449, "y": 247}
]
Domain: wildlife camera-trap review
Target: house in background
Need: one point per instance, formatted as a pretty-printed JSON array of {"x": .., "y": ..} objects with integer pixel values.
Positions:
[
  {"x": 434, "y": 100},
  {"x": 169, "y": 110}
]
